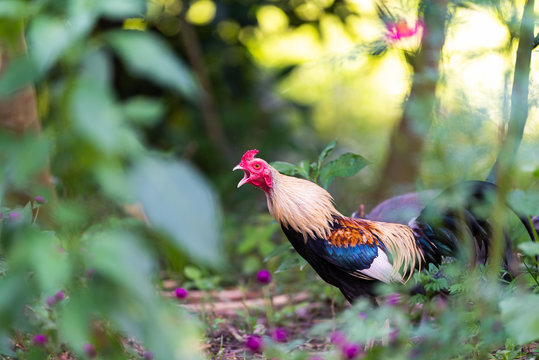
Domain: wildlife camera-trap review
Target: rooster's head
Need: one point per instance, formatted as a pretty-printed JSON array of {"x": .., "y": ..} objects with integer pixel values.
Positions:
[{"x": 256, "y": 171}]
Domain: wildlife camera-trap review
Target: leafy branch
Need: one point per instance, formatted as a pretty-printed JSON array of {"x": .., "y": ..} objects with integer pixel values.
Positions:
[{"x": 347, "y": 164}]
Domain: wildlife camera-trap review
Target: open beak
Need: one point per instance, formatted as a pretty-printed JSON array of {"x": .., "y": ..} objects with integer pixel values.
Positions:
[{"x": 245, "y": 176}]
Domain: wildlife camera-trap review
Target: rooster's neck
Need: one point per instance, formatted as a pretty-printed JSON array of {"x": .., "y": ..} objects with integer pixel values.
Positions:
[{"x": 301, "y": 205}]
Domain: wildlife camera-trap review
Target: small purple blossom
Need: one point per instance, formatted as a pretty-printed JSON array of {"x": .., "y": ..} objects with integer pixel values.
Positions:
[
  {"x": 89, "y": 350},
  {"x": 39, "y": 340},
  {"x": 362, "y": 315},
  {"x": 148, "y": 355},
  {"x": 351, "y": 350},
  {"x": 1, "y": 216},
  {"x": 14, "y": 215},
  {"x": 394, "y": 335},
  {"x": 180, "y": 293},
  {"x": 39, "y": 199},
  {"x": 263, "y": 277},
  {"x": 59, "y": 296},
  {"x": 279, "y": 335},
  {"x": 254, "y": 343},
  {"x": 393, "y": 299},
  {"x": 337, "y": 337},
  {"x": 50, "y": 301}
]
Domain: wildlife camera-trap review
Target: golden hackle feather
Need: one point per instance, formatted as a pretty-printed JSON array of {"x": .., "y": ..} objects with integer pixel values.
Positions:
[
  {"x": 308, "y": 209},
  {"x": 301, "y": 205}
]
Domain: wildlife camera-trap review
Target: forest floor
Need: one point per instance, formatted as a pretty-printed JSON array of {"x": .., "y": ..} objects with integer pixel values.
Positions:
[{"x": 234, "y": 314}]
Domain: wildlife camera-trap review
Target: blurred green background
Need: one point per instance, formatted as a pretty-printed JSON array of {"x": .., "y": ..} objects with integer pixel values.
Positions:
[{"x": 111, "y": 106}]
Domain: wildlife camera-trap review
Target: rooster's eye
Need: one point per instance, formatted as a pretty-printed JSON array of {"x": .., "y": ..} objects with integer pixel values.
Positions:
[{"x": 257, "y": 166}]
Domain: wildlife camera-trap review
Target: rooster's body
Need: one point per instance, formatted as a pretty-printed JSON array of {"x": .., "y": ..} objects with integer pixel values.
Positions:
[{"x": 353, "y": 254}]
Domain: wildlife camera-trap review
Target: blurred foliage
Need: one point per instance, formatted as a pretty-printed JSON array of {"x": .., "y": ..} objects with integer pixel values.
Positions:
[{"x": 152, "y": 102}]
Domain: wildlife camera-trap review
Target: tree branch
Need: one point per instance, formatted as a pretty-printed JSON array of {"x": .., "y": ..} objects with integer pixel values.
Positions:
[
  {"x": 207, "y": 104},
  {"x": 519, "y": 97}
]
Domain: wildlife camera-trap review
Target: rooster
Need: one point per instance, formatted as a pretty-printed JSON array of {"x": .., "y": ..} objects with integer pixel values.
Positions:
[{"x": 354, "y": 254}]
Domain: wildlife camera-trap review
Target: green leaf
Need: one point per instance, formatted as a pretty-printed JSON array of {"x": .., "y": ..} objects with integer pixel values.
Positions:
[
  {"x": 284, "y": 167},
  {"x": 48, "y": 38},
  {"x": 304, "y": 168},
  {"x": 281, "y": 249},
  {"x": 192, "y": 272},
  {"x": 149, "y": 56},
  {"x": 529, "y": 248},
  {"x": 521, "y": 317},
  {"x": 178, "y": 200},
  {"x": 325, "y": 153},
  {"x": 346, "y": 165},
  {"x": 291, "y": 262},
  {"x": 120, "y": 9},
  {"x": 18, "y": 73},
  {"x": 143, "y": 110},
  {"x": 525, "y": 202},
  {"x": 98, "y": 119},
  {"x": 14, "y": 9}
]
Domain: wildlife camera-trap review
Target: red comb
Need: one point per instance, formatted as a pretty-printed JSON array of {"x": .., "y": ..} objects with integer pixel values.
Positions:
[{"x": 249, "y": 155}]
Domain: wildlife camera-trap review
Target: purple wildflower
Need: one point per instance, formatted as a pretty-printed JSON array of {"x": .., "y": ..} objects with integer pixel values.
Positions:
[
  {"x": 89, "y": 350},
  {"x": 59, "y": 296},
  {"x": 39, "y": 340},
  {"x": 337, "y": 337},
  {"x": 394, "y": 335},
  {"x": 180, "y": 293},
  {"x": 393, "y": 299},
  {"x": 362, "y": 315},
  {"x": 148, "y": 355},
  {"x": 350, "y": 350},
  {"x": 39, "y": 199},
  {"x": 263, "y": 277},
  {"x": 279, "y": 335},
  {"x": 50, "y": 301},
  {"x": 14, "y": 215},
  {"x": 254, "y": 343}
]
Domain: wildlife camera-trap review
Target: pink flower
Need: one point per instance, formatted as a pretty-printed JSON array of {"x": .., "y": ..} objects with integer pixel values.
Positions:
[
  {"x": 14, "y": 215},
  {"x": 39, "y": 199},
  {"x": 148, "y": 355},
  {"x": 400, "y": 30},
  {"x": 59, "y": 296},
  {"x": 351, "y": 350},
  {"x": 263, "y": 277},
  {"x": 393, "y": 299},
  {"x": 254, "y": 343},
  {"x": 337, "y": 337},
  {"x": 39, "y": 340},
  {"x": 50, "y": 301},
  {"x": 279, "y": 335},
  {"x": 180, "y": 293},
  {"x": 362, "y": 315},
  {"x": 89, "y": 350}
]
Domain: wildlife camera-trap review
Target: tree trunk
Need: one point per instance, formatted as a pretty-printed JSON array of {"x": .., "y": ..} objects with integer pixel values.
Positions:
[{"x": 406, "y": 144}]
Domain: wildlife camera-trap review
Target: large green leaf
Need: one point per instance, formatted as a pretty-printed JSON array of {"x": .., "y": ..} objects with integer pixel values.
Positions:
[
  {"x": 48, "y": 38},
  {"x": 178, "y": 200},
  {"x": 346, "y": 165},
  {"x": 98, "y": 119},
  {"x": 521, "y": 317},
  {"x": 149, "y": 56}
]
